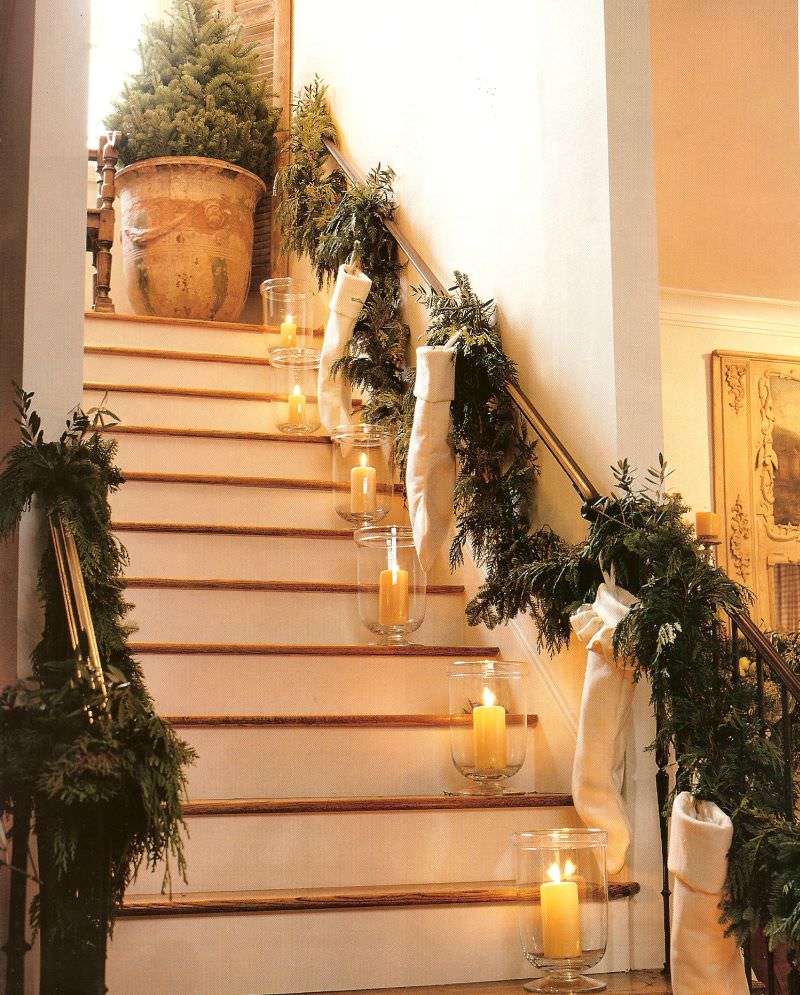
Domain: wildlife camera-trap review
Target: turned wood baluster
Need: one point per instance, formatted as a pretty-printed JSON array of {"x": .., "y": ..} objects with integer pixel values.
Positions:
[{"x": 107, "y": 156}]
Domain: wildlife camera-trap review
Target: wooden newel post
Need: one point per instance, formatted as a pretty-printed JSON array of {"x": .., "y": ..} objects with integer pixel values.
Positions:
[{"x": 107, "y": 156}]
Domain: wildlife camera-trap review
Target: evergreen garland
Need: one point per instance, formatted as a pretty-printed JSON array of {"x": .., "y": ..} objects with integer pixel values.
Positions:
[
  {"x": 196, "y": 93},
  {"x": 117, "y": 783},
  {"x": 709, "y": 712},
  {"x": 497, "y": 463}
]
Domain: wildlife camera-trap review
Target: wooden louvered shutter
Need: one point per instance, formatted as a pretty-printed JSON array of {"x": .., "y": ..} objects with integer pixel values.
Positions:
[{"x": 266, "y": 23}]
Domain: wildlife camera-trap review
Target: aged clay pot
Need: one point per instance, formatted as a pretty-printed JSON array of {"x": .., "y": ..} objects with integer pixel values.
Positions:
[{"x": 187, "y": 236}]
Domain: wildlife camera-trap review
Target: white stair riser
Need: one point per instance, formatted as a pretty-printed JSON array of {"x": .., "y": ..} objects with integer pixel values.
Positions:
[
  {"x": 256, "y": 458},
  {"x": 148, "y": 371},
  {"x": 325, "y": 951},
  {"x": 295, "y": 685},
  {"x": 181, "y": 338},
  {"x": 327, "y": 762},
  {"x": 275, "y": 617},
  {"x": 225, "y": 504},
  {"x": 258, "y": 852},
  {"x": 175, "y": 554},
  {"x": 186, "y": 412}
]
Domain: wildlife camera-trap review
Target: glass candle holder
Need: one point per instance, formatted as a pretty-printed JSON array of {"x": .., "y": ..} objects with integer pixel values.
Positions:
[
  {"x": 563, "y": 905},
  {"x": 363, "y": 473},
  {"x": 391, "y": 583},
  {"x": 488, "y": 722},
  {"x": 289, "y": 307},
  {"x": 294, "y": 399}
]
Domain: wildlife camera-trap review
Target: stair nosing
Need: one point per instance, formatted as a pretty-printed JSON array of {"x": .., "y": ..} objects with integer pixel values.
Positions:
[
  {"x": 267, "y": 531},
  {"x": 221, "y": 326},
  {"x": 221, "y": 807},
  {"x": 230, "y": 435},
  {"x": 332, "y": 899},
  {"x": 216, "y": 480},
  {"x": 305, "y": 721},
  {"x": 176, "y": 355},
  {"x": 275, "y": 586},
  {"x": 310, "y": 649},
  {"x": 201, "y": 392}
]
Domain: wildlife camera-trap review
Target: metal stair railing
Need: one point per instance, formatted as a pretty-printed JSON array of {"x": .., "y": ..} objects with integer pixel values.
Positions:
[{"x": 741, "y": 625}]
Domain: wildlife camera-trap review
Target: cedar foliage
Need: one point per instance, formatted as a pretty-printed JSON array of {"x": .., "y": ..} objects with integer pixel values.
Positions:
[
  {"x": 196, "y": 93},
  {"x": 119, "y": 780}
]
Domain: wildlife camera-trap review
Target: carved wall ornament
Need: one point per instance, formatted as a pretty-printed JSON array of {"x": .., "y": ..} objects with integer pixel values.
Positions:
[
  {"x": 739, "y": 541},
  {"x": 736, "y": 378}
]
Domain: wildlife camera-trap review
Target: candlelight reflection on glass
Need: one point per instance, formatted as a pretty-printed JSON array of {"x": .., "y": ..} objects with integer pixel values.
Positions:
[
  {"x": 488, "y": 723},
  {"x": 562, "y": 890},
  {"x": 391, "y": 583}
]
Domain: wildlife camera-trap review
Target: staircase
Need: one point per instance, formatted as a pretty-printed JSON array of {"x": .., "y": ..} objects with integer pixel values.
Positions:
[{"x": 323, "y": 854}]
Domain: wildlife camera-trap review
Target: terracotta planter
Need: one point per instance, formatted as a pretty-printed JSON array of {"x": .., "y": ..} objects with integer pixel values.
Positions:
[{"x": 187, "y": 236}]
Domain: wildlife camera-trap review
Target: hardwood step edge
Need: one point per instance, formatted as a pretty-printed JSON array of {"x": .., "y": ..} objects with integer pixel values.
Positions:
[
  {"x": 421, "y": 721},
  {"x": 264, "y": 531},
  {"x": 311, "y": 650},
  {"x": 217, "y": 326},
  {"x": 214, "y": 433},
  {"x": 215, "y": 480},
  {"x": 162, "y": 390},
  {"x": 275, "y": 586},
  {"x": 331, "y": 899},
  {"x": 399, "y": 803},
  {"x": 176, "y": 355}
]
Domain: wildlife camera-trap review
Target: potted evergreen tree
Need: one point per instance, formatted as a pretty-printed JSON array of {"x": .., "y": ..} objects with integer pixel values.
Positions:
[{"x": 198, "y": 143}]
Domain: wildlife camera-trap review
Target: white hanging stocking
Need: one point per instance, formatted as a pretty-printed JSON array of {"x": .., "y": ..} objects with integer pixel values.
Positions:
[
  {"x": 431, "y": 470},
  {"x": 605, "y": 708},
  {"x": 347, "y": 300},
  {"x": 703, "y": 961}
]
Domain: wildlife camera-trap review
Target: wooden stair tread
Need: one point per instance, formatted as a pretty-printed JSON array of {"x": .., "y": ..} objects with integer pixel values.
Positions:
[
  {"x": 207, "y": 392},
  {"x": 217, "y": 326},
  {"x": 280, "y": 483},
  {"x": 276, "y": 586},
  {"x": 322, "y": 899},
  {"x": 311, "y": 649},
  {"x": 182, "y": 355},
  {"x": 619, "y": 983},
  {"x": 372, "y": 803},
  {"x": 270, "y": 531},
  {"x": 228, "y": 435},
  {"x": 321, "y": 721}
]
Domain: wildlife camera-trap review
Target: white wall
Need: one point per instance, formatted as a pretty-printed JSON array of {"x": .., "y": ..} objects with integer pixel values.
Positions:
[{"x": 510, "y": 130}]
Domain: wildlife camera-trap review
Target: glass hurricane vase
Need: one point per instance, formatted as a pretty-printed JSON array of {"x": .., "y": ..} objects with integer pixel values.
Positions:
[
  {"x": 488, "y": 722},
  {"x": 294, "y": 399},
  {"x": 289, "y": 307},
  {"x": 391, "y": 583},
  {"x": 363, "y": 473},
  {"x": 562, "y": 889}
]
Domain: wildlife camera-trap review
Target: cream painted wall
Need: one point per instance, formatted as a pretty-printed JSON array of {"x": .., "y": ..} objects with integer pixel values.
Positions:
[
  {"x": 511, "y": 133},
  {"x": 725, "y": 105}
]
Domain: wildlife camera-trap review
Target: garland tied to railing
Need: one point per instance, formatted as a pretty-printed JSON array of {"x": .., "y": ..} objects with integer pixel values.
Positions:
[
  {"x": 106, "y": 794},
  {"x": 497, "y": 463}
]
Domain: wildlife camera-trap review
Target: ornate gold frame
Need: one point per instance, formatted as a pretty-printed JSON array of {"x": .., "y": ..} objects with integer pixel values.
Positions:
[{"x": 745, "y": 465}]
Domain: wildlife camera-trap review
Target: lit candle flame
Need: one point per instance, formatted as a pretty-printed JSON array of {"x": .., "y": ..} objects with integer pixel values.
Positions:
[
  {"x": 296, "y": 390},
  {"x": 488, "y": 697},
  {"x": 289, "y": 319},
  {"x": 554, "y": 871},
  {"x": 363, "y": 459},
  {"x": 393, "y": 555}
]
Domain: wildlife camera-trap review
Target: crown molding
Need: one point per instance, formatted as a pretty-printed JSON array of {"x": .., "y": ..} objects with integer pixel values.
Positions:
[{"x": 729, "y": 312}]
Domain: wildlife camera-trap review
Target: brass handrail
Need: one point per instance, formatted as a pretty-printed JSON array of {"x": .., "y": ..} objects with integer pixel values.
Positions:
[{"x": 577, "y": 476}]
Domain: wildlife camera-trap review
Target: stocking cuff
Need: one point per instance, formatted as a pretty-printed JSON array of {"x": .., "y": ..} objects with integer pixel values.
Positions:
[
  {"x": 595, "y": 624},
  {"x": 349, "y": 293},
  {"x": 699, "y": 840},
  {"x": 436, "y": 374}
]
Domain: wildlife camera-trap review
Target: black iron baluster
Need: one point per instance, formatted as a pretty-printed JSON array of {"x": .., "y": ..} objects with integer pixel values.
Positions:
[
  {"x": 748, "y": 972},
  {"x": 735, "y": 651},
  {"x": 662, "y": 793},
  {"x": 770, "y": 972},
  {"x": 786, "y": 736},
  {"x": 762, "y": 714}
]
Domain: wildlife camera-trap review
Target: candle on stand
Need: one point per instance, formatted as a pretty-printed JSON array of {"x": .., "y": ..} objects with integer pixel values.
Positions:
[
  {"x": 363, "y": 488},
  {"x": 297, "y": 407},
  {"x": 561, "y": 921},
  {"x": 288, "y": 333},
  {"x": 393, "y": 590},
  {"x": 489, "y": 733},
  {"x": 707, "y": 525}
]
